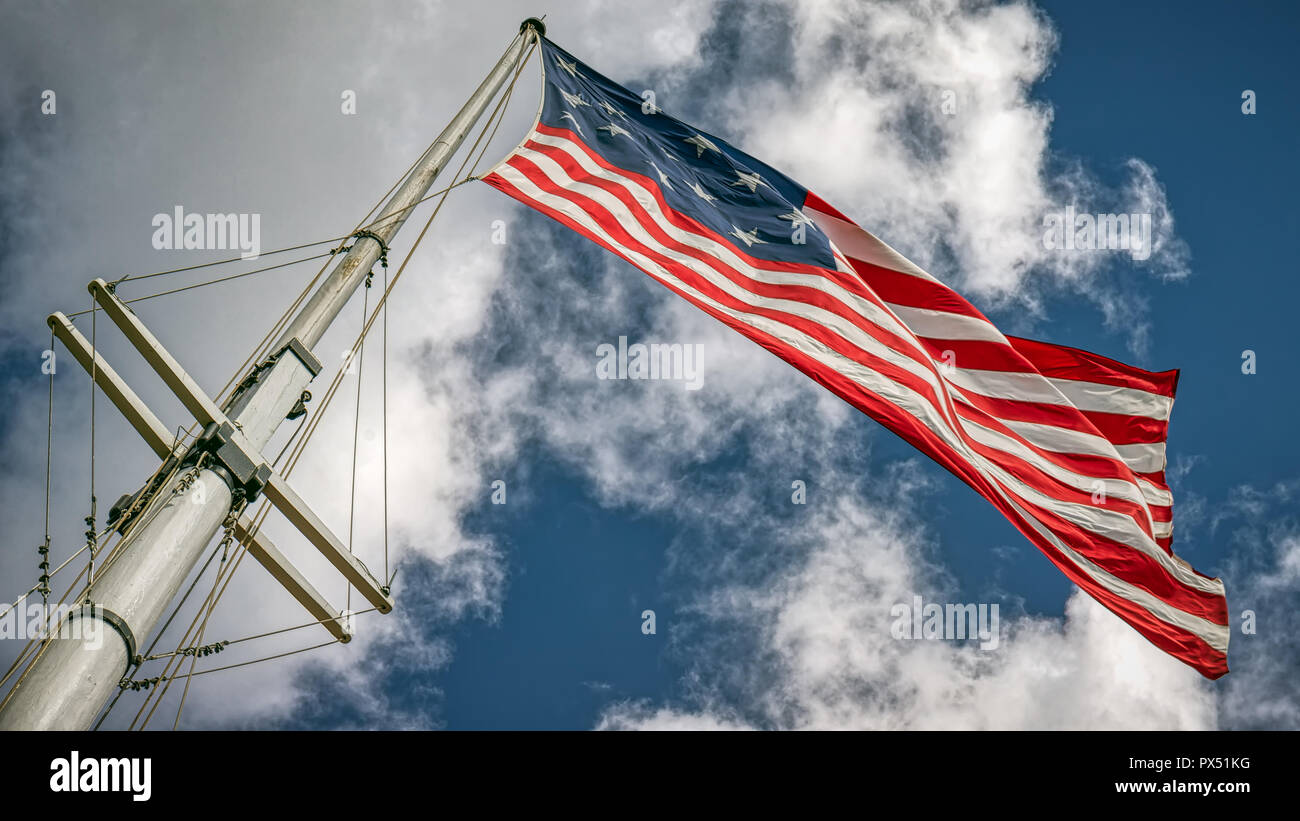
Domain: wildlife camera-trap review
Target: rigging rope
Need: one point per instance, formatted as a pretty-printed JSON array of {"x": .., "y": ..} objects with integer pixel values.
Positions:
[
  {"x": 215, "y": 281},
  {"x": 384, "y": 425},
  {"x": 356, "y": 420},
  {"x": 106, "y": 531},
  {"x": 225, "y": 544},
  {"x": 131, "y": 278},
  {"x": 91, "y": 541},
  {"x": 228, "y": 278},
  {"x": 227, "y": 642},
  {"x": 145, "y": 684},
  {"x": 43, "y": 582}
]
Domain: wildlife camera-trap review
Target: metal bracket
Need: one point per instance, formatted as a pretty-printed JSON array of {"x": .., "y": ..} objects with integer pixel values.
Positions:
[
  {"x": 113, "y": 620},
  {"x": 299, "y": 409},
  {"x": 246, "y": 470},
  {"x": 366, "y": 233},
  {"x": 305, "y": 356},
  {"x": 295, "y": 347}
]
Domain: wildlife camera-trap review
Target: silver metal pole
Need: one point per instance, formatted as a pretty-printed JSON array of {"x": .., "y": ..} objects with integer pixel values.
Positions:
[
  {"x": 310, "y": 324},
  {"x": 68, "y": 685}
]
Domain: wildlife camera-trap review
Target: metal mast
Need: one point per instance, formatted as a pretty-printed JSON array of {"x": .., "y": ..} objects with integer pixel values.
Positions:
[{"x": 71, "y": 680}]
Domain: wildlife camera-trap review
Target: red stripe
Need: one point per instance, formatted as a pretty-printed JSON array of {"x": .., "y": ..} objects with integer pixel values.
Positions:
[
  {"x": 1121, "y": 429},
  {"x": 1063, "y": 362},
  {"x": 815, "y": 202},
  {"x": 1156, "y": 478},
  {"x": 900, "y": 288}
]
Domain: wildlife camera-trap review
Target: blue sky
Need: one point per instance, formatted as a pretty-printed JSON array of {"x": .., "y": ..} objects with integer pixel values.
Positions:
[{"x": 628, "y": 496}]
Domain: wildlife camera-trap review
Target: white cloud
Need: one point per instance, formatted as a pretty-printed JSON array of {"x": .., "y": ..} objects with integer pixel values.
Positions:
[
  {"x": 826, "y": 659},
  {"x": 919, "y": 121},
  {"x": 1261, "y": 526}
]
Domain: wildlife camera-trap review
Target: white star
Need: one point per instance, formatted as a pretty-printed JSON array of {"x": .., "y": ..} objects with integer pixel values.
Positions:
[
  {"x": 796, "y": 217},
  {"x": 748, "y": 237},
  {"x": 611, "y": 110},
  {"x": 614, "y": 130},
  {"x": 577, "y": 126},
  {"x": 663, "y": 178},
  {"x": 751, "y": 181},
  {"x": 702, "y": 144},
  {"x": 572, "y": 68},
  {"x": 701, "y": 193},
  {"x": 573, "y": 99}
]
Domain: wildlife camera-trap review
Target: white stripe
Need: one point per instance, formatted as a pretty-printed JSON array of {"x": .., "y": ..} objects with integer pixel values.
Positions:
[
  {"x": 1023, "y": 387},
  {"x": 1148, "y": 458},
  {"x": 939, "y": 325},
  {"x": 1091, "y": 396},
  {"x": 860, "y": 244},
  {"x": 1142, "y": 458},
  {"x": 1065, "y": 440},
  {"x": 1215, "y": 635},
  {"x": 1156, "y": 496}
]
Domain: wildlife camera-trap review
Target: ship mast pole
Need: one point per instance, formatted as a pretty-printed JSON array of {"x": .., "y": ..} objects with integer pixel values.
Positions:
[{"x": 72, "y": 679}]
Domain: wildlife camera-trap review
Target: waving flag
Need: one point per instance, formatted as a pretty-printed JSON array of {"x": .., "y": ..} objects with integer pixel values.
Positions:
[{"x": 1068, "y": 445}]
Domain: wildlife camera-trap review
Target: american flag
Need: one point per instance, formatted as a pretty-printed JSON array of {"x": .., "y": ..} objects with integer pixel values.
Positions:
[{"x": 1068, "y": 445}]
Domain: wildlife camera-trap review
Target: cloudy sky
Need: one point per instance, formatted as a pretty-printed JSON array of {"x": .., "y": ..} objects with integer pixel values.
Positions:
[{"x": 948, "y": 129}]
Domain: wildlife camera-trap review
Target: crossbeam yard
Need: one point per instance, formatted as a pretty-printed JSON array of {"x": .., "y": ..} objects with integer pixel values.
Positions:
[
  {"x": 239, "y": 461},
  {"x": 241, "y": 458}
]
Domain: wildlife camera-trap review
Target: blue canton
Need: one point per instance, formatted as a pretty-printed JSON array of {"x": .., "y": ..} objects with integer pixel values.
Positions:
[{"x": 754, "y": 206}]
